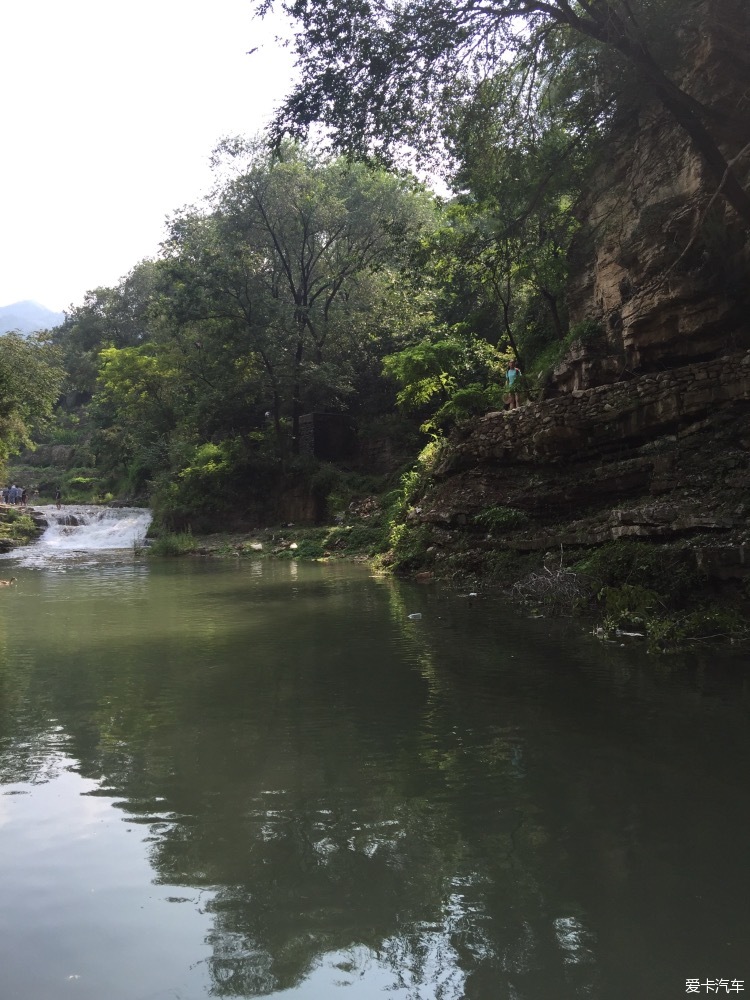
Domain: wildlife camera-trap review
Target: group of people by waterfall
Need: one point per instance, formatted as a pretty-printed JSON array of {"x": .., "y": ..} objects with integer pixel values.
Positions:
[
  {"x": 17, "y": 496},
  {"x": 14, "y": 495}
]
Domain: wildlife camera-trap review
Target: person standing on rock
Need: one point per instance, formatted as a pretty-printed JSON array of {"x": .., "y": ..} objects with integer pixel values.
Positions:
[
  {"x": 58, "y": 498},
  {"x": 511, "y": 386}
]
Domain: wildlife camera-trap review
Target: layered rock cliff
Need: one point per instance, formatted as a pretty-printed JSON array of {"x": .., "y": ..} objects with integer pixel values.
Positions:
[
  {"x": 644, "y": 429},
  {"x": 661, "y": 263},
  {"x": 662, "y": 457}
]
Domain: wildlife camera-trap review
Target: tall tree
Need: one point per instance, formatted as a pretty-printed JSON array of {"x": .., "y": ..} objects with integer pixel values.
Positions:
[
  {"x": 284, "y": 263},
  {"x": 108, "y": 317},
  {"x": 376, "y": 73},
  {"x": 30, "y": 379}
]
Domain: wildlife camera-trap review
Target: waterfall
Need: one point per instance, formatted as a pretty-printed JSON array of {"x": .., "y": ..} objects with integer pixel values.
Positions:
[{"x": 77, "y": 532}]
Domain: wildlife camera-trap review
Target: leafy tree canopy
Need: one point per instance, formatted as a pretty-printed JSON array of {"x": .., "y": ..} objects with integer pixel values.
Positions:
[
  {"x": 379, "y": 74},
  {"x": 30, "y": 379},
  {"x": 291, "y": 267}
]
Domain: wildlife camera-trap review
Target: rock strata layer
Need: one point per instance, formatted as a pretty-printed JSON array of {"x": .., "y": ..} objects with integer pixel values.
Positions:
[{"x": 662, "y": 457}]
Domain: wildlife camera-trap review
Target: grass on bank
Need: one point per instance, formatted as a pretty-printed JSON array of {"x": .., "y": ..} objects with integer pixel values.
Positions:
[
  {"x": 281, "y": 543},
  {"x": 173, "y": 543}
]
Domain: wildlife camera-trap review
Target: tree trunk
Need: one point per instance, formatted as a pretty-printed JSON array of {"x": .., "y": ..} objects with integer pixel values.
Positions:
[
  {"x": 280, "y": 442},
  {"x": 296, "y": 392}
]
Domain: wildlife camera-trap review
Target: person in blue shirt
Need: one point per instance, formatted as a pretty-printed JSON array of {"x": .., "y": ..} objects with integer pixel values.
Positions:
[{"x": 511, "y": 384}]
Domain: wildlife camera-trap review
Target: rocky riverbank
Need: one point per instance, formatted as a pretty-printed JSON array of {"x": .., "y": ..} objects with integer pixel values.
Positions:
[
  {"x": 19, "y": 526},
  {"x": 641, "y": 485}
]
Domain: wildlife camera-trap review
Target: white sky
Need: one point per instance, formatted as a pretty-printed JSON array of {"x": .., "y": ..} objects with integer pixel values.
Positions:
[{"x": 108, "y": 116}]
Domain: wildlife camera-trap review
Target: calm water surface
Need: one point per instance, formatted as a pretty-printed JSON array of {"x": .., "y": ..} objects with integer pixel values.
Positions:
[{"x": 262, "y": 779}]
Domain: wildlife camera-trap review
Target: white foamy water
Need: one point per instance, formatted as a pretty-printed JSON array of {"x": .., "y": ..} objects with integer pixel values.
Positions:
[{"x": 76, "y": 532}]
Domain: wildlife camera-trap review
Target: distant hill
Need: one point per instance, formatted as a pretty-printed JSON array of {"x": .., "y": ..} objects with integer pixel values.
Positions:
[{"x": 28, "y": 317}]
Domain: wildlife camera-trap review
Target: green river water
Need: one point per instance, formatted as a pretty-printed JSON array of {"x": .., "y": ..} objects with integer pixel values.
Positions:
[{"x": 241, "y": 779}]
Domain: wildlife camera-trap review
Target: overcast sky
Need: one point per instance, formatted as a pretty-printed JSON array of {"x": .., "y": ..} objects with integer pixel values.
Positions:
[{"x": 110, "y": 111}]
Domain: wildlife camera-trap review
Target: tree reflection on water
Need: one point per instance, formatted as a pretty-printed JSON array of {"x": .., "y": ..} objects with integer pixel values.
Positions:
[{"x": 394, "y": 815}]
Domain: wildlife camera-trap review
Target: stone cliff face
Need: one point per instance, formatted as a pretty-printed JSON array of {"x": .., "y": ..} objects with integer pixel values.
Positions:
[
  {"x": 644, "y": 431},
  {"x": 659, "y": 266},
  {"x": 663, "y": 457}
]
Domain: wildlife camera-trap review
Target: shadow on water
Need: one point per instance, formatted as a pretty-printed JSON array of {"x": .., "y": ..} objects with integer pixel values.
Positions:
[{"x": 467, "y": 805}]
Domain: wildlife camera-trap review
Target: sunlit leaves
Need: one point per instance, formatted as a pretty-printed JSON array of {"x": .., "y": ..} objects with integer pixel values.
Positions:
[{"x": 30, "y": 380}]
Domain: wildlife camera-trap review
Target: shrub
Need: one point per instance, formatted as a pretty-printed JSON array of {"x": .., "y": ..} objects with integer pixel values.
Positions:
[
  {"x": 706, "y": 624},
  {"x": 17, "y": 527},
  {"x": 499, "y": 518},
  {"x": 471, "y": 401},
  {"x": 671, "y": 573},
  {"x": 311, "y": 548},
  {"x": 587, "y": 331},
  {"x": 358, "y": 538},
  {"x": 176, "y": 543},
  {"x": 409, "y": 547},
  {"x": 630, "y": 603}
]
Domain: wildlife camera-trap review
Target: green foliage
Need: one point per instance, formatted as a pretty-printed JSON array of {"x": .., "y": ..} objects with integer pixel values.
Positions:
[
  {"x": 705, "y": 624},
  {"x": 350, "y": 487},
  {"x": 634, "y": 608},
  {"x": 70, "y": 435},
  {"x": 587, "y": 331},
  {"x": 178, "y": 543},
  {"x": 408, "y": 547},
  {"x": 30, "y": 379},
  {"x": 472, "y": 401},
  {"x": 17, "y": 527},
  {"x": 669, "y": 572},
  {"x": 359, "y": 538},
  {"x": 426, "y": 370},
  {"x": 629, "y": 606},
  {"x": 543, "y": 362},
  {"x": 441, "y": 375},
  {"x": 315, "y": 282},
  {"x": 499, "y": 518},
  {"x": 292, "y": 267},
  {"x": 544, "y": 354},
  {"x": 398, "y": 501},
  {"x": 211, "y": 480},
  {"x": 408, "y": 72},
  {"x": 653, "y": 589},
  {"x": 327, "y": 481},
  {"x": 279, "y": 295},
  {"x": 311, "y": 548},
  {"x": 404, "y": 541}
]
